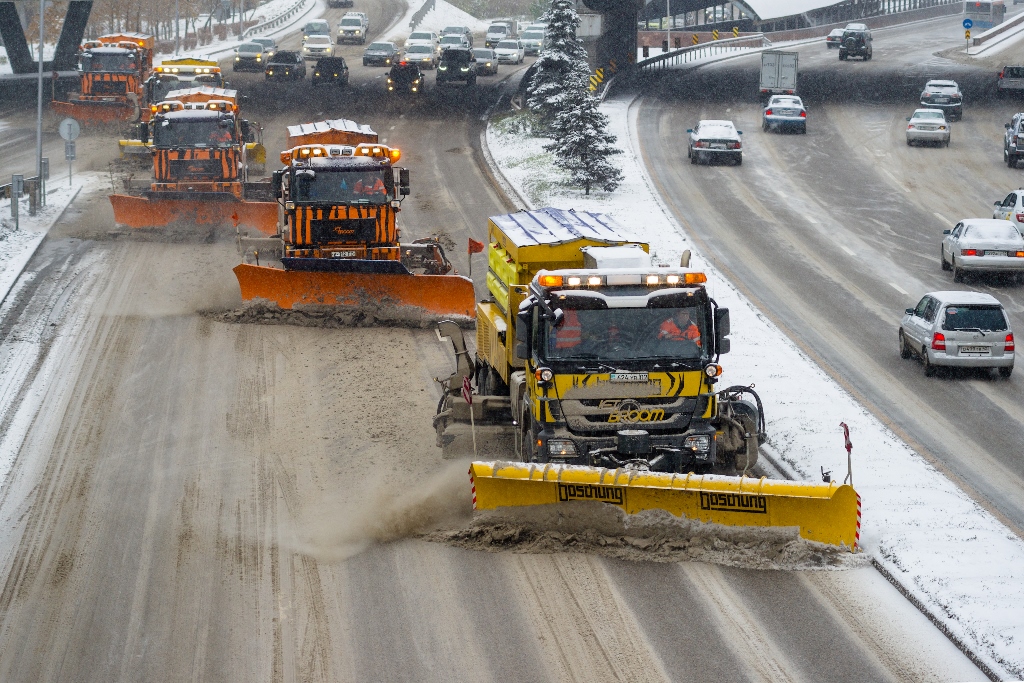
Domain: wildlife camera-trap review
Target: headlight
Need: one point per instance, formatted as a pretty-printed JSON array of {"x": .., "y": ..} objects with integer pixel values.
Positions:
[
  {"x": 465, "y": 68},
  {"x": 357, "y": 32},
  {"x": 238, "y": 59},
  {"x": 259, "y": 59},
  {"x": 545, "y": 374},
  {"x": 699, "y": 444},
  {"x": 563, "y": 448},
  {"x": 488, "y": 63},
  {"x": 442, "y": 68},
  {"x": 270, "y": 73},
  {"x": 713, "y": 370},
  {"x": 389, "y": 81}
]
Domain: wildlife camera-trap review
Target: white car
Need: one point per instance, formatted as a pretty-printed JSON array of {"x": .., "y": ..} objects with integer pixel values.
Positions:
[
  {"x": 316, "y": 47},
  {"x": 533, "y": 41},
  {"x": 928, "y": 125},
  {"x": 497, "y": 32},
  {"x": 423, "y": 55},
  {"x": 982, "y": 245},
  {"x": 784, "y": 111},
  {"x": 454, "y": 40},
  {"x": 424, "y": 38},
  {"x": 353, "y": 28},
  {"x": 1011, "y": 208},
  {"x": 511, "y": 51},
  {"x": 712, "y": 139}
]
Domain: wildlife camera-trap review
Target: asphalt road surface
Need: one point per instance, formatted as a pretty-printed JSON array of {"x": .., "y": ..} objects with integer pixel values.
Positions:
[
  {"x": 192, "y": 499},
  {"x": 836, "y": 232}
]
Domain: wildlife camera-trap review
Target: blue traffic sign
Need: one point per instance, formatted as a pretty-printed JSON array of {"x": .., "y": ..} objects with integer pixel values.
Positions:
[{"x": 968, "y": 23}]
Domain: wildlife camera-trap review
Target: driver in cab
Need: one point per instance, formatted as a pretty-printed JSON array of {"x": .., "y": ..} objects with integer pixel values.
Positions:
[
  {"x": 370, "y": 186},
  {"x": 679, "y": 327}
]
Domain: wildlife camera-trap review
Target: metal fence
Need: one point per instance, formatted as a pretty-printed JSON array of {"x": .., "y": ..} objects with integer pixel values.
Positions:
[
  {"x": 420, "y": 13},
  {"x": 276, "y": 21},
  {"x": 690, "y": 53}
]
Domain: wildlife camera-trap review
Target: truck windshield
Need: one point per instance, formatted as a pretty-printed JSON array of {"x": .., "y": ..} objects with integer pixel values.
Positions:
[
  {"x": 205, "y": 133},
  {"x": 156, "y": 90},
  {"x": 619, "y": 334},
  {"x": 345, "y": 187},
  {"x": 121, "y": 64}
]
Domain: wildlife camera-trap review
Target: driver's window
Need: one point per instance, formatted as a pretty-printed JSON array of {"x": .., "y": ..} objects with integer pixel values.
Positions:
[
  {"x": 921, "y": 306},
  {"x": 1011, "y": 199},
  {"x": 930, "y": 310}
]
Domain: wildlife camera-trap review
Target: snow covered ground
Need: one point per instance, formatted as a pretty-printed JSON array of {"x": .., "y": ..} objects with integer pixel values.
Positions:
[
  {"x": 442, "y": 15},
  {"x": 964, "y": 566}
]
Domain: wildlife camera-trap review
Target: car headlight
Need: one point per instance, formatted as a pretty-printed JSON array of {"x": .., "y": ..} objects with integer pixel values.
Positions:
[
  {"x": 259, "y": 59},
  {"x": 357, "y": 32},
  {"x": 545, "y": 374},
  {"x": 465, "y": 68},
  {"x": 238, "y": 59},
  {"x": 390, "y": 81},
  {"x": 488, "y": 63},
  {"x": 698, "y": 444},
  {"x": 270, "y": 73},
  {"x": 442, "y": 68},
  {"x": 562, "y": 448}
]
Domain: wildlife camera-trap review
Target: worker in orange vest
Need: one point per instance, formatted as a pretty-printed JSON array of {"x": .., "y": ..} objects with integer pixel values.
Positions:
[
  {"x": 569, "y": 334},
  {"x": 679, "y": 327}
]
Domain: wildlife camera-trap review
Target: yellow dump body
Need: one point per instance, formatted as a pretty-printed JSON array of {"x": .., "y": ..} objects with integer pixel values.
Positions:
[{"x": 826, "y": 513}]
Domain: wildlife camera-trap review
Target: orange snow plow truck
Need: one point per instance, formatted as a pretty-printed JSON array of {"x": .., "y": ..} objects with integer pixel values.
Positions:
[
  {"x": 200, "y": 159},
  {"x": 600, "y": 370},
  {"x": 113, "y": 70},
  {"x": 339, "y": 242}
]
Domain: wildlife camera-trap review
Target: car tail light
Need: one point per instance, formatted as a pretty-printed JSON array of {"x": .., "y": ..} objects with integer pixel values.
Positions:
[
  {"x": 700, "y": 143},
  {"x": 910, "y": 126},
  {"x": 1019, "y": 254},
  {"x": 803, "y": 115},
  {"x": 1008, "y": 345},
  {"x": 968, "y": 252},
  {"x": 768, "y": 113},
  {"x": 1020, "y": 217},
  {"x": 1000, "y": 74},
  {"x": 939, "y": 342},
  {"x": 735, "y": 145}
]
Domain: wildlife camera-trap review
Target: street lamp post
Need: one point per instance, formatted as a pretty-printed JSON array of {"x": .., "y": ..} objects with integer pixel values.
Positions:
[{"x": 39, "y": 107}]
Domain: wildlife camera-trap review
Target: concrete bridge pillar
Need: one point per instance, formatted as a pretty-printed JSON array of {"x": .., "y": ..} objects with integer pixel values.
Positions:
[{"x": 617, "y": 41}]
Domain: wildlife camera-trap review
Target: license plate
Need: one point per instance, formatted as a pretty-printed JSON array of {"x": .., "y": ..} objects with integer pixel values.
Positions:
[
  {"x": 989, "y": 252},
  {"x": 628, "y": 377},
  {"x": 718, "y": 146},
  {"x": 343, "y": 254},
  {"x": 942, "y": 100},
  {"x": 974, "y": 349}
]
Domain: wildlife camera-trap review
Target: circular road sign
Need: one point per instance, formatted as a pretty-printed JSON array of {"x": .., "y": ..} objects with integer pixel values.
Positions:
[
  {"x": 968, "y": 23},
  {"x": 69, "y": 129}
]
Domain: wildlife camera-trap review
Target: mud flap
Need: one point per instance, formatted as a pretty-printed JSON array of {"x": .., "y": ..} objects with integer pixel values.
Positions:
[
  {"x": 826, "y": 513},
  {"x": 153, "y": 213}
]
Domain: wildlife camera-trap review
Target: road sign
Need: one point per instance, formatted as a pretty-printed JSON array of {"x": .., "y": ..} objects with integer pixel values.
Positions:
[
  {"x": 967, "y": 35},
  {"x": 69, "y": 129},
  {"x": 968, "y": 23},
  {"x": 69, "y": 150}
]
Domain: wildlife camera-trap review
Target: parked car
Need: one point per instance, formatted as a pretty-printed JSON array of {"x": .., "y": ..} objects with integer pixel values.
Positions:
[
  {"x": 453, "y": 41},
  {"x": 316, "y": 47},
  {"x": 424, "y": 38},
  {"x": 269, "y": 45},
  {"x": 958, "y": 329},
  {"x": 1013, "y": 140},
  {"x": 784, "y": 111},
  {"x": 457, "y": 64},
  {"x": 711, "y": 139},
  {"x": 834, "y": 39},
  {"x": 944, "y": 95},
  {"x": 317, "y": 27},
  {"x": 982, "y": 245},
  {"x": 533, "y": 41},
  {"x": 928, "y": 125},
  {"x": 1010, "y": 79},
  {"x": 1011, "y": 208},
  {"x": 406, "y": 77},
  {"x": 249, "y": 57},
  {"x": 486, "y": 61},
  {"x": 332, "y": 70},
  {"x": 422, "y": 55},
  {"x": 510, "y": 51},
  {"x": 353, "y": 27},
  {"x": 285, "y": 64},
  {"x": 380, "y": 54},
  {"x": 459, "y": 31},
  {"x": 855, "y": 43}
]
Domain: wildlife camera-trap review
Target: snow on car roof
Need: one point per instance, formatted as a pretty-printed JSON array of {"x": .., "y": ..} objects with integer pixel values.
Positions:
[
  {"x": 941, "y": 84},
  {"x": 961, "y": 297},
  {"x": 715, "y": 123}
]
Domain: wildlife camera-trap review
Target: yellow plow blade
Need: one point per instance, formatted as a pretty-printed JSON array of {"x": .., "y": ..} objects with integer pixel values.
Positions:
[{"x": 827, "y": 513}]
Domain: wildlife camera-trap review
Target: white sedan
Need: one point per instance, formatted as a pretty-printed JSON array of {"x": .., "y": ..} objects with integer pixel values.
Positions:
[
  {"x": 980, "y": 245},
  {"x": 928, "y": 125},
  {"x": 511, "y": 51},
  {"x": 423, "y": 55},
  {"x": 316, "y": 47},
  {"x": 784, "y": 111},
  {"x": 713, "y": 139}
]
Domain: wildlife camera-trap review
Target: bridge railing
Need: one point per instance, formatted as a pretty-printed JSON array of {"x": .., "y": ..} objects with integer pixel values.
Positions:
[
  {"x": 691, "y": 53},
  {"x": 274, "y": 22}
]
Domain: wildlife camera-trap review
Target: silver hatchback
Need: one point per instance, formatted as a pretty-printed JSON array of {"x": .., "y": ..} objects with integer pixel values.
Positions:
[{"x": 960, "y": 330}]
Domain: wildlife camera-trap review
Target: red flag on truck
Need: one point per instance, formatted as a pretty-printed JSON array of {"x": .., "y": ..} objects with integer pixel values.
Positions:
[
  {"x": 475, "y": 247},
  {"x": 467, "y": 391}
]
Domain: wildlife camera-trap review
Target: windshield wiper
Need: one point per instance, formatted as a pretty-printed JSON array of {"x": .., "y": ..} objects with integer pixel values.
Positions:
[{"x": 971, "y": 329}]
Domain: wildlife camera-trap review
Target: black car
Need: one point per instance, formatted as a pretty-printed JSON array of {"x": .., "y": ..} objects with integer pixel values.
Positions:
[
  {"x": 330, "y": 70},
  {"x": 380, "y": 54},
  {"x": 406, "y": 77},
  {"x": 856, "y": 43},
  {"x": 286, "y": 64},
  {"x": 457, "y": 64}
]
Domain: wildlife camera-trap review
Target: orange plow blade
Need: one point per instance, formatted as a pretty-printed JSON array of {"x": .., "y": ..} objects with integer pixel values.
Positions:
[
  {"x": 86, "y": 111},
  {"x": 402, "y": 296},
  {"x": 143, "y": 212}
]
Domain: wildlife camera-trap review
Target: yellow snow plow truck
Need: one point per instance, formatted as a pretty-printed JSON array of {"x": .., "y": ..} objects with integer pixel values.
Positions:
[{"x": 602, "y": 370}]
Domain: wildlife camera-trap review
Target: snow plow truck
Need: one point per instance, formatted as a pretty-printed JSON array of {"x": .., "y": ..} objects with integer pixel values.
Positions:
[
  {"x": 113, "y": 71},
  {"x": 603, "y": 369},
  {"x": 201, "y": 155},
  {"x": 338, "y": 245}
]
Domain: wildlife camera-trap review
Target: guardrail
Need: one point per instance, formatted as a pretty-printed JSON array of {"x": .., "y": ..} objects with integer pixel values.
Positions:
[
  {"x": 276, "y": 21},
  {"x": 420, "y": 13},
  {"x": 6, "y": 190},
  {"x": 691, "y": 53},
  {"x": 998, "y": 30}
]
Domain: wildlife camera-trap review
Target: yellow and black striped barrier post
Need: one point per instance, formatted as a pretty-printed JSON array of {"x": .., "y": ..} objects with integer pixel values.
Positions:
[
  {"x": 596, "y": 78},
  {"x": 696, "y": 39},
  {"x": 714, "y": 34},
  {"x": 735, "y": 31}
]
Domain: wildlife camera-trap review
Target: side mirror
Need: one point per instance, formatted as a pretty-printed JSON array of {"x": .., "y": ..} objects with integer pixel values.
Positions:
[
  {"x": 909, "y": 311},
  {"x": 722, "y": 329},
  {"x": 403, "y": 182},
  {"x": 523, "y": 321},
  {"x": 522, "y": 351},
  {"x": 689, "y": 130},
  {"x": 724, "y": 346},
  {"x": 946, "y": 232},
  {"x": 908, "y": 118},
  {"x": 997, "y": 203},
  {"x": 227, "y": 84},
  {"x": 144, "y": 133},
  {"x": 739, "y": 132},
  {"x": 276, "y": 180},
  {"x": 1006, "y": 126}
]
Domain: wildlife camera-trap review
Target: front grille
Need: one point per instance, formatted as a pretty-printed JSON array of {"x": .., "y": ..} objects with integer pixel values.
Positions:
[
  {"x": 194, "y": 169},
  {"x": 346, "y": 230},
  {"x": 109, "y": 87}
]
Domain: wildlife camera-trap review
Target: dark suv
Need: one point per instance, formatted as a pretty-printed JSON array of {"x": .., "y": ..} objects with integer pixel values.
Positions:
[
  {"x": 856, "y": 43},
  {"x": 457, "y": 64},
  {"x": 286, "y": 64},
  {"x": 406, "y": 77},
  {"x": 330, "y": 70}
]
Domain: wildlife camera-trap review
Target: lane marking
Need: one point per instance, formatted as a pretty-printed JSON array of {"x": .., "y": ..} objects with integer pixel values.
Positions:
[
  {"x": 899, "y": 289},
  {"x": 847, "y": 250},
  {"x": 895, "y": 179},
  {"x": 942, "y": 219}
]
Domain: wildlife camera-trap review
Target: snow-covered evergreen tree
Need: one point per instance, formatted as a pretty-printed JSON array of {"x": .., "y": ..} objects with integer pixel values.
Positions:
[
  {"x": 580, "y": 139},
  {"x": 563, "y": 59}
]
